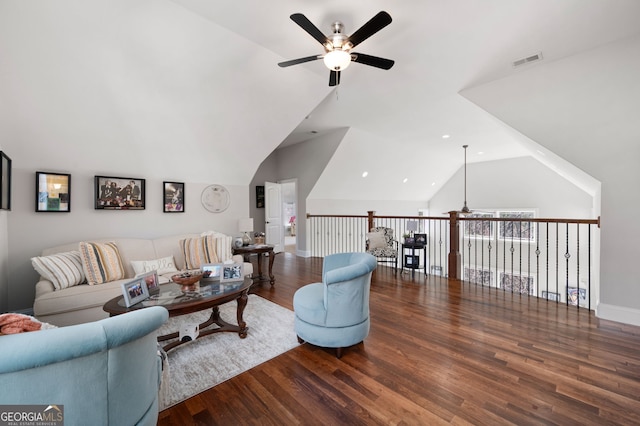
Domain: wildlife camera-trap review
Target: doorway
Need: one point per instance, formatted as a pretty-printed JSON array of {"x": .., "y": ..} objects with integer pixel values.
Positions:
[{"x": 289, "y": 215}]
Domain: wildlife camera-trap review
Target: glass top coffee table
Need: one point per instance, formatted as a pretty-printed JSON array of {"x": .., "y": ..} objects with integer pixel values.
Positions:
[{"x": 179, "y": 300}]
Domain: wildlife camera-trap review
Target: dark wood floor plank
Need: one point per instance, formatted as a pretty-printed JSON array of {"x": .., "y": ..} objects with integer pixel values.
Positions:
[{"x": 439, "y": 352}]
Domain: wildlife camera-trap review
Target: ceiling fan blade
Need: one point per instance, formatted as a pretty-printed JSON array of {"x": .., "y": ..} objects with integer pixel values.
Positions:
[
  {"x": 308, "y": 26},
  {"x": 375, "y": 24},
  {"x": 334, "y": 78},
  {"x": 299, "y": 61},
  {"x": 373, "y": 61}
]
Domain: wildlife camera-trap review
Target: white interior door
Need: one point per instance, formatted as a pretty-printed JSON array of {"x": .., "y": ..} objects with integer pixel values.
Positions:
[{"x": 274, "y": 231}]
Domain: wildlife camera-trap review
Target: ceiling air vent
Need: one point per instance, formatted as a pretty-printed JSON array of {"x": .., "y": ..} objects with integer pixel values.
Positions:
[{"x": 527, "y": 60}]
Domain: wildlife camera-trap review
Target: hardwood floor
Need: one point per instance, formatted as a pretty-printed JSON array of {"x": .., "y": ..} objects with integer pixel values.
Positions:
[{"x": 438, "y": 352}]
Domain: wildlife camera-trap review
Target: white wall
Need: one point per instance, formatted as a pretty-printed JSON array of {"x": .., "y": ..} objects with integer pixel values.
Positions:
[
  {"x": 515, "y": 183},
  {"x": 4, "y": 262},
  {"x": 4, "y": 258},
  {"x": 592, "y": 122},
  {"x": 361, "y": 207},
  {"x": 304, "y": 162},
  {"x": 132, "y": 89},
  {"x": 525, "y": 183},
  {"x": 31, "y": 232}
]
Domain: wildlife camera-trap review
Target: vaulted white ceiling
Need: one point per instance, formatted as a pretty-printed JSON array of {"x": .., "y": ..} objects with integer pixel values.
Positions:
[{"x": 194, "y": 85}]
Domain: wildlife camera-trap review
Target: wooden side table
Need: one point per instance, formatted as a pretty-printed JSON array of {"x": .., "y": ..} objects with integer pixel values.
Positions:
[
  {"x": 413, "y": 266},
  {"x": 259, "y": 250}
]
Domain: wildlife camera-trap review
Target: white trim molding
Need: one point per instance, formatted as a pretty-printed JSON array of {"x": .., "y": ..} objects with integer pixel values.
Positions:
[{"x": 618, "y": 313}]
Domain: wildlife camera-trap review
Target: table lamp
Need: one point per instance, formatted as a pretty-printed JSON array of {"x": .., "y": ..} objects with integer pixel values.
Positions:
[{"x": 245, "y": 225}]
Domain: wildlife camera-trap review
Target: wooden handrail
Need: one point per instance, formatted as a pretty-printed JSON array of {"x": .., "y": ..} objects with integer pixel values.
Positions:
[{"x": 454, "y": 256}]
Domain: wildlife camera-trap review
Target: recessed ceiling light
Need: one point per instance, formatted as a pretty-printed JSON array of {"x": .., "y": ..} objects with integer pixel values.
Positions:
[
  {"x": 364, "y": 174},
  {"x": 433, "y": 184},
  {"x": 480, "y": 153},
  {"x": 314, "y": 131},
  {"x": 446, "y": 136},
  {"x": 405, "y": 180}
]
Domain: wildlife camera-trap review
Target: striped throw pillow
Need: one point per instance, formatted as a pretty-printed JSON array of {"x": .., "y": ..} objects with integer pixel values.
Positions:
[
  {"x": 62, "y": 269},
  {"x": 199, "y": 251},
  {"x": 101, "y": 262}
]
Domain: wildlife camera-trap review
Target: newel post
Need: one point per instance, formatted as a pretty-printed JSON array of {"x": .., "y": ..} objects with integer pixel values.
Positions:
[
  {"x": 455, "y": 258},
  {"x": 370, "y": 219}
]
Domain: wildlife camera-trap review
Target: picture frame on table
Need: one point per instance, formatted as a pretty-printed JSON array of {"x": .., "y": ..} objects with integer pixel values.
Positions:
[
  {"x": 119, "y": 193},
  {"x": 53, "y": 192},
  {"x": 134, "y": 292},
  {"x": 555, "y": 297},
  {"x": 420, "y": 239},
  {"x": 436, "y": 270},
  {"x": 5, "y": 181},
  {"x": 214, "y": 270},
  {"x": 411, "y": 261},
  {"x": 577, "y": 296},
  {"x": 151, "y": 280},
  {"x": 231, "y": 272},
  {"x": 173, "y": 196}
]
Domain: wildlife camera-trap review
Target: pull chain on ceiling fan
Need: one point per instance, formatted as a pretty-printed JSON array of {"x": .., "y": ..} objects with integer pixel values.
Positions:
[{"x": 337, "y": 45}]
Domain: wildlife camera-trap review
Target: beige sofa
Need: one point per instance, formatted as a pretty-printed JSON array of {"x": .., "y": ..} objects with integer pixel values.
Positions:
[{"x": 83, "y": 303}]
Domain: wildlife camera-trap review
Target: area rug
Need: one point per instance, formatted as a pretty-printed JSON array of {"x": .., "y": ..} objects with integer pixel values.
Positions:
[{"x": 199, "y": 365}]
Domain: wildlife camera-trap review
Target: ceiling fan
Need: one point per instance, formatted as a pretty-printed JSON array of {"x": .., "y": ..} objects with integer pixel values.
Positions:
[{"x": 337, "y": 45}]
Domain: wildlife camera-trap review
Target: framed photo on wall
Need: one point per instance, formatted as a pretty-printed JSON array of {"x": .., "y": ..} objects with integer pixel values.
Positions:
[
  {"x": 259, "y": 196},
  {"x": 118, "y": 193},
  {"x": 173, "y": 197},
  {"x": 53, "y": 192},
  {"x": 5, "y": 181}
]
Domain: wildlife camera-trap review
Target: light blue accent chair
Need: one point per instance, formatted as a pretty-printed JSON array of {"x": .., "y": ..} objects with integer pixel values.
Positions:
[
  {"x": 335, "y": 312},
  {"x": 104, "y": 373}
]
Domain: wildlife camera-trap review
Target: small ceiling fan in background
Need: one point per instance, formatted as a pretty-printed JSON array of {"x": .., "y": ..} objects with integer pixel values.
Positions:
[{"x": 337, "y": 45}]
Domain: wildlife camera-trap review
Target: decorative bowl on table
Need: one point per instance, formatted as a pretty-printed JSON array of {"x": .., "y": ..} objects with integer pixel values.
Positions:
[{"x": 187, "y": 280}]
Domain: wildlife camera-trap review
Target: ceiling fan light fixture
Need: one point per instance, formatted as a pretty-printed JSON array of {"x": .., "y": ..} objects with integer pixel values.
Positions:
[{"x": 337, "y": 60}]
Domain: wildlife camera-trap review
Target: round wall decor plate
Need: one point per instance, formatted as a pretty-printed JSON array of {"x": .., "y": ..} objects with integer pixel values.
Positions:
[{"x": 215, "y": 198}]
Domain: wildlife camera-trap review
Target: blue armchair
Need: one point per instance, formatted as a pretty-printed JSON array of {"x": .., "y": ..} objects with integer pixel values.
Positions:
[
  {"x": 103, "y": 373},
  {"x": 335, "y": 312}
]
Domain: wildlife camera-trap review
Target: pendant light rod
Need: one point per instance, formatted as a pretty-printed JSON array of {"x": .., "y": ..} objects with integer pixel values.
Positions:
[{"x": 465, "y": 209}]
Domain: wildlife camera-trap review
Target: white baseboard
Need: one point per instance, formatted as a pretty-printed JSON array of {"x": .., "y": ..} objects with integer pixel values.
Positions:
[
  {"x": 618, "y": 313},
  {"x": 303, "y": 253}
]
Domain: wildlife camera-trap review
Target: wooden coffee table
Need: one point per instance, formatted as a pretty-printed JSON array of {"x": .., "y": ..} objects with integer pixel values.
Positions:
[{"x": 179, "y": 301}]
